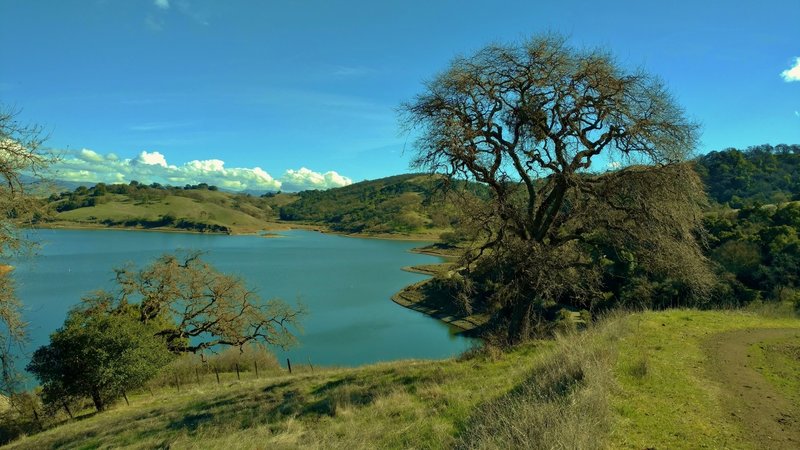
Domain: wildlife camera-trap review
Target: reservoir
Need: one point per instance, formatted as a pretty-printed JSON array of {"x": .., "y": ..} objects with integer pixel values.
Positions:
[{"x": 345, "y": 283}]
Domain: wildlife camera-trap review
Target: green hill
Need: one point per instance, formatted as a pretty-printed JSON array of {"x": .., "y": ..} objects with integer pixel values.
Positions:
[
  {"x": 757, "y": 175},
  {"x": 198, "y": 208},
  {"x": 410, "y": 203},
  {"x": 647, "y": 380},
  {"x": 401, "y": 204}
]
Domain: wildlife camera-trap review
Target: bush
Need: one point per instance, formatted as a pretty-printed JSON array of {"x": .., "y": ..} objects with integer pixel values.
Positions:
[{"x": 99, "y": 356}]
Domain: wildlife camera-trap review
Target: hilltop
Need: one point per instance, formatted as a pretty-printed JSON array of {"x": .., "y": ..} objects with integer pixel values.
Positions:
[
  {"x": 200, "y": 208},
  {"x": 409, "y": 203}
]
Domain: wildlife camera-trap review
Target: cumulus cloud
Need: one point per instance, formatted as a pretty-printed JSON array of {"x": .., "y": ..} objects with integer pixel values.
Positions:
[
  {"x": 304, "y": 179},
  {"x": 792, "y": 73},
  {"x": 163, "y": 4},
  {"x": 152, "y": 167},
  {"x": 150, "y": 159}
]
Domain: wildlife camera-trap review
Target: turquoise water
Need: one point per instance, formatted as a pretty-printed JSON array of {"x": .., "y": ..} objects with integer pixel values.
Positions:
[{"x": 346, "y": 284}]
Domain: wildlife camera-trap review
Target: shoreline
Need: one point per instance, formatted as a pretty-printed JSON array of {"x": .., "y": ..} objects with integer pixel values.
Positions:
[
  {"x": 403, "y": 298},
  {"x": 269, "y": 227},
  {"x": 468, "y": 326}
]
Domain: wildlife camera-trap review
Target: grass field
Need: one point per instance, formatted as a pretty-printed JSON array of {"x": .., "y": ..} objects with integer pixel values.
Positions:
[
  {"x": 212, "y": 207},
  {"x": 643, "y": 380}
]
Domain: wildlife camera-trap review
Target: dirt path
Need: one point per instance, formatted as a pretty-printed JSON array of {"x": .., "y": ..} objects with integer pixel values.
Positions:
[{"x": 770, "y": 419}]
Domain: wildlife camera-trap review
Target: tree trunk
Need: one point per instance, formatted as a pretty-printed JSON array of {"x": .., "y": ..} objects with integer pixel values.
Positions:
[
  {"x": 519, "y": 327},
  {"x": 98, "y": 400}
]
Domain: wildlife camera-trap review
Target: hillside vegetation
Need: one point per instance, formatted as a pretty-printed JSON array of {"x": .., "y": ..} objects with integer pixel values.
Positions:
[
  {"x": 402, "y": 204},
  {"x": 194, "y": 208},
  {"x": 399, "y": 204},
  {"x": 639, "y": 381},
  {"x": 761, "y": 174}
]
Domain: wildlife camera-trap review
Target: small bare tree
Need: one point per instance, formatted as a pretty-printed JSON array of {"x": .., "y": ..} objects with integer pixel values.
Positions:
[
  {"x": 195, "y": 307},
  {"x": 21, "y": 155}
]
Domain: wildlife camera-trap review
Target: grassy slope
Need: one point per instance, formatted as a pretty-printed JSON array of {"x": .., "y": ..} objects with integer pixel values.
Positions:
[
  {"x": 212, "y": 207},
  {"x": 637, "y": 381},
  {"x": 390, "y": 206}
]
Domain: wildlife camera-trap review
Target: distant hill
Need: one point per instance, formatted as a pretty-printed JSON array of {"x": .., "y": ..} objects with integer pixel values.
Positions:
[
  {"x": 761, "y": 174},
  {"x": 406, "y": 203},
  {"x": 195, "y": 208}
]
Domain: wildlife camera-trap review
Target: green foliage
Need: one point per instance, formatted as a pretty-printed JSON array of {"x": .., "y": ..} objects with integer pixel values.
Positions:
[
  {"x": 760, "y": 249},
  {"x": 760, "y": 174},
  {"x": 402, "y": 203},
  {"x": 98, "y": 356}
]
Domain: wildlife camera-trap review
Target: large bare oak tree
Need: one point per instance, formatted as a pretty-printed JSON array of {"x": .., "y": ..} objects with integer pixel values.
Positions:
[{"x": 532, "y": 122}]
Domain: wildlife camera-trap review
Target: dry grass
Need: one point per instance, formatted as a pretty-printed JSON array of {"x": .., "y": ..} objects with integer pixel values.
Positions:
[
  {"x": 634, "y": 381},
  {"x": 563, "y": 403}
]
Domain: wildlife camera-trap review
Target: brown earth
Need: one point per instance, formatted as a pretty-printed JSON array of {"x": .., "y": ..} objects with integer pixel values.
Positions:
[{"x": 771, "y": 420}]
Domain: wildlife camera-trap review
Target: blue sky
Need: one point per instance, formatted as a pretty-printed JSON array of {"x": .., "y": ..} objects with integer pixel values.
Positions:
[{"x": 306, "y": 90}]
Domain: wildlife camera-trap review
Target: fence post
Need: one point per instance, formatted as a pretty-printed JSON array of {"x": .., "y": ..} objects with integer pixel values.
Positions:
[
  {"x": 125, "y": 396},
  {"x": 197, "y": 375},
  {"x": 310, "y": 365},
  {"x": 66, "y": 406},
  {"x": 177, "y": 382},
  {"x": 256, "y": 363},
  {"x": 36, "y": 418},
  {"x": 216, "y": 372},
  {"x": 289, "y": 364}
]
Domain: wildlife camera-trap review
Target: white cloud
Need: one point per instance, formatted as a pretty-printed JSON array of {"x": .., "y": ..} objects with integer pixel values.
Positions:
[
  {"x": 151, "y": 159},
  {"x": 152, "y": 167},
  {"x": 303, "y": 179},
  {"x": 797, "y": 113},
  {"x": 792, "y": 73},
  {"x": 163, "y": 4},
  {"x": 614, "y": 165}
]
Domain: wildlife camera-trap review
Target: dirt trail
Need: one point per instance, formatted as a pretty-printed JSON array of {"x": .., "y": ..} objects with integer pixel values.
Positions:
[{"x": 770, "y": 419}]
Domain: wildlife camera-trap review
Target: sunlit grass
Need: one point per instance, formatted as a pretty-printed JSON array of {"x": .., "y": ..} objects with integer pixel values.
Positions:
[
  {"x": 635, "y": 381},
  {"x": 676, "y": 404}
]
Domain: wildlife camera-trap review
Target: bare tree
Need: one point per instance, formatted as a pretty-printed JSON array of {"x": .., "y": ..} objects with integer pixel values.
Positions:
[
  {"x": 195, "y": 307},
  {"x": 21, "y": 155},
  {"x": 530, "y": 122}
]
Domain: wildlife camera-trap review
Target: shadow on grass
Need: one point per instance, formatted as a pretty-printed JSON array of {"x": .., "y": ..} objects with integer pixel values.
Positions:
[
  {"x": 302, "y": 398},
  {"x": 191, "y": 422},
  {"x": 562, "y": 403}
]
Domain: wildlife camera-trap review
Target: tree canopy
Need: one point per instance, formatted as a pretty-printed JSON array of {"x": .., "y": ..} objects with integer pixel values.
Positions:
[
  {"x": 196, "y": 307},
  {"x": 98, "y": 356},
  {"x": 531, "y": 121},
  {"x": 757, "y": 175}
]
